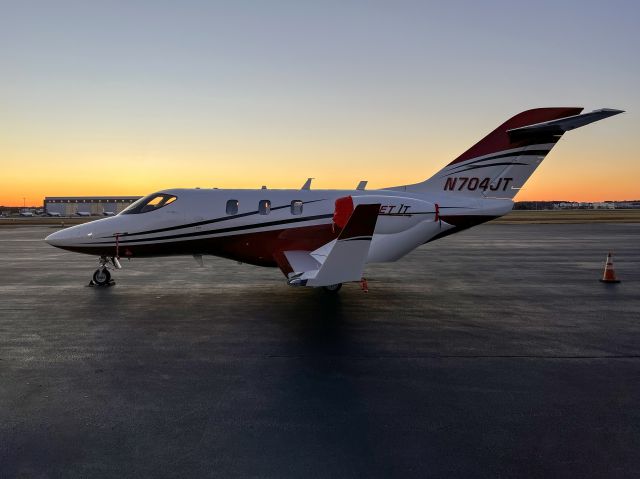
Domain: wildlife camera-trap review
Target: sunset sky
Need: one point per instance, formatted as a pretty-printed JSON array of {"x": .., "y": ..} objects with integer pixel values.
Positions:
[{"x": 129, "y": 97}]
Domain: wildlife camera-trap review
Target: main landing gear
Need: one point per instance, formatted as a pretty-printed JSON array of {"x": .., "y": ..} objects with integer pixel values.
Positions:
[
  {"x": 102, "y": 276},
  {"x": 332, "y": 288}
]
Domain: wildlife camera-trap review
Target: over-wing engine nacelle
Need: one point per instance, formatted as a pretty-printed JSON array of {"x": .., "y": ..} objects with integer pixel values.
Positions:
[{"x": 397, "y": 213}]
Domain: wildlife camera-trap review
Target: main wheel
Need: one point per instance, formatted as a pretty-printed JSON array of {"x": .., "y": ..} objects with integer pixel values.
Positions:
[
  {"x": 101, "y": 277},
  {"x": 332, "y": 288}
]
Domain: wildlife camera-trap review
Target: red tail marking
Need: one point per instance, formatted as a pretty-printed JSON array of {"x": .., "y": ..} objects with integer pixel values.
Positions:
[{"x": 498, "y": 139}]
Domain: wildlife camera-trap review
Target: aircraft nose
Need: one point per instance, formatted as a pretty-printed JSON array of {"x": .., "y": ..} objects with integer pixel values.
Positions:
[
  {"x": 59, "y": 238},
  {"x": 81, "y": 236},
  {"x": 69, "y": 237}
]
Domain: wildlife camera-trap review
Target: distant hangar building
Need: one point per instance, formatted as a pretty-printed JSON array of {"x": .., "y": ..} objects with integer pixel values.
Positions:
[{"x": 87, "y": 205}]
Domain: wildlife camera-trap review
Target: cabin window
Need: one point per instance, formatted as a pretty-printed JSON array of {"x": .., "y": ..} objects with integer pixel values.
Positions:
[
  {"x": 264, "y": 207},
  {"x": 232, "y": 207},
  {"x": 296, "y": 207},
  {"x": 149, "y": 203}
]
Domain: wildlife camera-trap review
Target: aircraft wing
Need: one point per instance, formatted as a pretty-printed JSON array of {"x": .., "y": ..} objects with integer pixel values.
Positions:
[{"x": 341, "y": 260}]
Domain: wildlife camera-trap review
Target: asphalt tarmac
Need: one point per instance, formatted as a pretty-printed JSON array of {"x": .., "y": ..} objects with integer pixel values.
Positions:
[{"x": 492, "y": 353}]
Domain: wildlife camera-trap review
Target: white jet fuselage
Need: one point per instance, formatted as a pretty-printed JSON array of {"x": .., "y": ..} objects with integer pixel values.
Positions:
[{"x": 197, "y": 222}]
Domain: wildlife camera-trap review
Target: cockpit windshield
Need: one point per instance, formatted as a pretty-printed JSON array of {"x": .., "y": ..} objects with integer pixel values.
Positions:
[{"x": 152, "y": 202}]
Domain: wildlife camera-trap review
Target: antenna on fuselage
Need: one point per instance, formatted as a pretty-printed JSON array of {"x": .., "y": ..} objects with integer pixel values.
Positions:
[
  {"x": 362, "y": 185},
  {"x": 307, "y": 184}
]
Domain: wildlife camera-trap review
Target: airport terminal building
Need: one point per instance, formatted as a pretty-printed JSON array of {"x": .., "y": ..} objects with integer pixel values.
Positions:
[{"x": 87, "y": 205}]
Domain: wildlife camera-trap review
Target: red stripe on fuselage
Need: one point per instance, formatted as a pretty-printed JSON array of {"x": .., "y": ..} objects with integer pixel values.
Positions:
[{"x": 256, "y": 248}]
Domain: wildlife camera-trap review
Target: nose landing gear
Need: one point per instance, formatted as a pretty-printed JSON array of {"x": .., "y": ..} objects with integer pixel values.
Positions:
[{"x": 102, "y": 276}]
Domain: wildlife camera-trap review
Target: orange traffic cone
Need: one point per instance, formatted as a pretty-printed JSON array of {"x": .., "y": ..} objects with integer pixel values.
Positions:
[{"x": 609, "y": 275}]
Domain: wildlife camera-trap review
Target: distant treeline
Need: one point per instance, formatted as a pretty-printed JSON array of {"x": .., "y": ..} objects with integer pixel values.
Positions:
[
  {"x": 536, "y": 205},
  {"x": 562, "y": 204}
]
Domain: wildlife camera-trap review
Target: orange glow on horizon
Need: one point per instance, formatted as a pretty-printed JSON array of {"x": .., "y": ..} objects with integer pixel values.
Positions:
[
  {"x": 576, "y": 169},
  {"x": 557, "y": 180}
]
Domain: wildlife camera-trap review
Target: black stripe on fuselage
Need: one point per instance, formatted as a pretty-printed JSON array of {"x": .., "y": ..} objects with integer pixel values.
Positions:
[
  {"x": 409, "y": 213},
  {"x": 218, "y": 231},
  {"x": 357, "y": 238},
  {"x": 502, "y": 155},
  {"x": 205, "y": 222},
  {"x": 477, "y": 167}
]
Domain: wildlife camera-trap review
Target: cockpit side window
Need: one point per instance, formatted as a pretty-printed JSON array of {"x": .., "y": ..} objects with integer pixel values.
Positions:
[{"x": 149, "y": 203}]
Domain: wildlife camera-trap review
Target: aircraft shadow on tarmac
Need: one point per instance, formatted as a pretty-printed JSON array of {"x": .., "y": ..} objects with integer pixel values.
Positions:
[{"x": 302, "y": 352}]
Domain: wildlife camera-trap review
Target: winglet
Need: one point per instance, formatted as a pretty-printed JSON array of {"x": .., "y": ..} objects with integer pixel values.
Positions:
[
  {"x": 307, "y": 184},
  {"x": 346, "y": 259},
  {"x": 362, "y": 223}
]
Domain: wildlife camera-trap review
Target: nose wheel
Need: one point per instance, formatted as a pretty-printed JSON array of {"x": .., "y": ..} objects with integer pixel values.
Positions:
[{"x": 102, "y": 276}]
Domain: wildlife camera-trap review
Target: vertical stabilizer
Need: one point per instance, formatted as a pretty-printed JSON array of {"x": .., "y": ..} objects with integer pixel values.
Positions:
[{"x": 500, "y": 164}]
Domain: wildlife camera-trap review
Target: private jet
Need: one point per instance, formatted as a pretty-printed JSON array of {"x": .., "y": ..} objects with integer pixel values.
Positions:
[{"x": 324, "y": 238}]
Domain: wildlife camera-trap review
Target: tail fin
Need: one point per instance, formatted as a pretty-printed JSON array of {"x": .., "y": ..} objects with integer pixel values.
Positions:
[{"x": 499, "y": 164}]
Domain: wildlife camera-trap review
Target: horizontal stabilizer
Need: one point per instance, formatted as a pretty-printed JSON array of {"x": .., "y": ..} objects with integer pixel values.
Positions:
[{"x": 561, "y": 125}]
